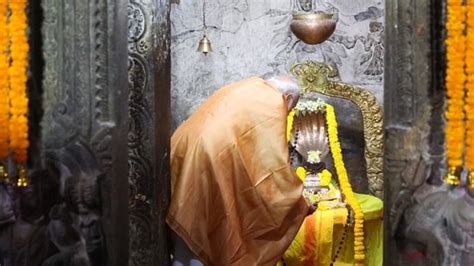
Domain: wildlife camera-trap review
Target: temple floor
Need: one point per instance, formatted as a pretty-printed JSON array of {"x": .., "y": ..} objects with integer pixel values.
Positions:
[{"x": 320, "y": 237}]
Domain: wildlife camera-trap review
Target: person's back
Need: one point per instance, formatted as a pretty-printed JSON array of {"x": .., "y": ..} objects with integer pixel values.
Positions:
[
  {"x": 235, "y": 199},
  {"x": 233, "y": 108}
]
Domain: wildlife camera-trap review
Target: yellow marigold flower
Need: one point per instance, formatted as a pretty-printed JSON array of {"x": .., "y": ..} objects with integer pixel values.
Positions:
[
  {"x": 301, "y": 173},
  {"x": 326, "y": 177}
]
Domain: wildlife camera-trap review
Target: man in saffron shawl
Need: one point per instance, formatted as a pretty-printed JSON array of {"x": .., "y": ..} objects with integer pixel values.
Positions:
[{"x": 235, "y": 198}]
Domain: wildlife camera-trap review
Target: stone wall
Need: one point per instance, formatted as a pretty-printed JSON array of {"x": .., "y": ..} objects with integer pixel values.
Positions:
[{"x": 253, "y": 38}]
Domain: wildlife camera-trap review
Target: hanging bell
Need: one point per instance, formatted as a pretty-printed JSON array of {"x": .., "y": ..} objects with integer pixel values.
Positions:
[{"x": 204, "y": 45}]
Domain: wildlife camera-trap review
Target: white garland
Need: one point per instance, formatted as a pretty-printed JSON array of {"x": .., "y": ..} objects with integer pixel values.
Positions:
[{"x": 310, "y": 106}]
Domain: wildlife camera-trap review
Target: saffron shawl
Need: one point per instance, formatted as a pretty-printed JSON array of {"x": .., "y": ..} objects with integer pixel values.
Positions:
[{"x": 235, "y": 198}]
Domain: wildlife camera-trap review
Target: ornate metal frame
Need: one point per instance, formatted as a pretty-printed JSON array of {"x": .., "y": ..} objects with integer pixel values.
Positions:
[{"x": 316, "y": 77}]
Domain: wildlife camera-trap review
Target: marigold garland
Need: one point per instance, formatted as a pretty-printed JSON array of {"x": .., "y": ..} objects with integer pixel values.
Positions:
[
  {"x": 460, "y": 91},
  {"x": 455, "y": 79},
  {"x": 18, "y": 76},
  {"x": 469, "y": 106},
  {"x": 326, "y": 178},
  {"x": 336, "y": 151},
  {"x": 4, "y": 86}
]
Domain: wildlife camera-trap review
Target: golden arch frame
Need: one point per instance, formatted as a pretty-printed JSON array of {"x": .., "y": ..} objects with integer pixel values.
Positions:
[{"x": 316, "y": 77}]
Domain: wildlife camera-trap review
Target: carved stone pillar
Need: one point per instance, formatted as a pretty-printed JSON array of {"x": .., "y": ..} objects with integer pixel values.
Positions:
[
  {"x": 431, "y": 220},
  {"x": 148, "y": 140},
  {"x": 87, "y": 100},
  {"x": 85, "y": 126},
  {"x": 407, "y": 111}
]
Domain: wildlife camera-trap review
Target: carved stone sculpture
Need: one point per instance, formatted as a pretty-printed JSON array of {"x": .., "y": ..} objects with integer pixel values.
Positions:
[
  {"x": 439, "y": 223},
  {"x": 57, "y": 218},
  {"x": 84, "y": 127}
]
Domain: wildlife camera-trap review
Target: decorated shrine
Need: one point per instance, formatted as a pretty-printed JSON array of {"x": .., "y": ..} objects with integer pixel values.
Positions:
[{"x": 202, "y": 132}]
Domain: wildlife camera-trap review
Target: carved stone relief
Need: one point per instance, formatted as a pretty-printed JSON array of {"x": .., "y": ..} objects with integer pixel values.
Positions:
[
  {"x": 148, "y": 137},
  {"x": 75, "y": 210},
  {"x": 407, "y": 115},
  {"x": 253, "y": 38},
  {"x": 57, "y": 218},
  {"x": 140, "y": 140}
]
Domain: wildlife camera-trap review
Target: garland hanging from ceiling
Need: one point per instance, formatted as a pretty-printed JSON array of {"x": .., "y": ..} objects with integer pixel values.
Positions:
[
  {"x": 460, "y": 91},
  {"x": 468, "y": 107},
  {"x": 13, "y": 82},
  {"x": 4, "y": 88}
]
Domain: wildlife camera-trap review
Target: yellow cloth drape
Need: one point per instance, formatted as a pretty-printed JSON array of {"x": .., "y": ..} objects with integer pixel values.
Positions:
[{"x": 319, "y": 236}]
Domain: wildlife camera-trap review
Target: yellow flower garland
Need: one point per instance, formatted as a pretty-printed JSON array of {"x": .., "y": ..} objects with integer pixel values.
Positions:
[
  {"x": 335, "y": 146},
  {"x": 468, "y": 107},
  {"x": 346, "y": 188},
  {"x": 455, "y": 79},
  {"x": 18, "y": 76},
  {"x": 460, "y": 90},
  {"x": 4, "y": 86}
]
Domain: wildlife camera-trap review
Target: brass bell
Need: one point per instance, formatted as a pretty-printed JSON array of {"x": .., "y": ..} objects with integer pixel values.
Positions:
[{"x": 205, "y": 45}]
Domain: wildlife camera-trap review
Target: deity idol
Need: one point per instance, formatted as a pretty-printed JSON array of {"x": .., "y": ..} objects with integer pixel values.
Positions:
[{"x": 346, "y": 226}]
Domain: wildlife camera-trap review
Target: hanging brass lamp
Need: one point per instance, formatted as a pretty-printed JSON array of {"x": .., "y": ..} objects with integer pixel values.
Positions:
[
  {"x": 204, "y": 44},
  {"x": 313, "y": 27}
]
